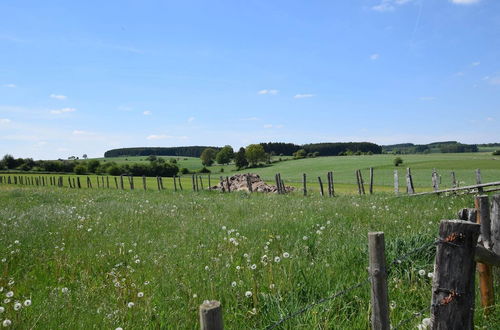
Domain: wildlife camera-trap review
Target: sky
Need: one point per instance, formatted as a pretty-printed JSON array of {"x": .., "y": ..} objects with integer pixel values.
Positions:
[{"x": 83, "y": 77}]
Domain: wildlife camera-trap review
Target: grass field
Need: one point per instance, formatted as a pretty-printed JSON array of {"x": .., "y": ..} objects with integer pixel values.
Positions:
[{"x": 83, "y": 256}]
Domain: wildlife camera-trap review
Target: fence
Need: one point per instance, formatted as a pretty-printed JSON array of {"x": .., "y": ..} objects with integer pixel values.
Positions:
[
  {"x": 197, "y": 183},
  {"x": 473, "y": 237}
]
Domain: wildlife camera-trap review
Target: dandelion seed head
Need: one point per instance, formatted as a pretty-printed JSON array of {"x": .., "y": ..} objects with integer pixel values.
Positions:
[
  {"x": 248, "y": 294},
  {"x": 130, "y": 305},
  {"x": 6, "y": 323}
]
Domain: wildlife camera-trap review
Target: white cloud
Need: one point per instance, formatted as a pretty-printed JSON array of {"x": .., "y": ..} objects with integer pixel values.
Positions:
[
  {"x": 5, "y": 121},
  {"x": 303, "y": 96},
  {"x": 465, "y": 2},
  {"x": 476, "y": 63},
  {"x": 268, "y": 126},
  {"x": 81, "y": 132},
  {"x": 389, "y": 5},
  {"x": 268, "y": 92},
  {"x": 10, "y": 85},
  {"x": 191, "y": 119},
  {"x": 157, "y": 137},
  {"x": 61, "y": 111},
  {"x": 374, "y": 57},
  {"x": 147, "y": 113},
  {"x": 58, "y": 96}
]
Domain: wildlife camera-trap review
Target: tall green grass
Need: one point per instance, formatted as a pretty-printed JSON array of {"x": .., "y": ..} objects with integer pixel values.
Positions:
[{"x": 82, "y": 256}]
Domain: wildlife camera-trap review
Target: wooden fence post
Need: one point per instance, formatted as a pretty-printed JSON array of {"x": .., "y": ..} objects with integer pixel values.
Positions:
[
  {"x": 378, "y": 279},
  {"x": 320, "y": 186},
  {"x": 131, "y": 182},
  {"x": 485, "y": 271},
  {"x": 453, "y": 180},
  {"x": 333, "y": 184},
  {"x": 121, "y": 182},
  {"x": 201, "y": 182},
  {"x": 329, "y": 184},
  {"x": 495, "y": 223},
  {"x": 193, "y": 182},
  {"x": 249, "y": 183},
  {"x": 158, "y": 183},
  {"x": 357, "y": 181},
  {"x": 409, "y": 182},
  {"x": 371, "y": 180},
  {"x": 89, "y": 183},
  {"x": 175, "y": 182},
  {"x": 197, "y": 185},
  {"x": 435, "y": 181},
  {"x": 222, "y": 184},
  {"x": 452, "y": 305},
  {"x": 180, "y": 183},
  {"x": 228, "y": 184},
  {"x": 97, "y": 180},
  {"x": 211, "y": 316},
  {"x": 78, "y": 182},
  {"x": 107, "y": 181},
  {"x": 209, "y": 182},
  {"x": 116, "y": 182},
  {"x": 278, "y": 184},
  {"x": 304, "y": 184},
  {"x": 478, "y": 181},
  {"x": 361, "y": 182}
]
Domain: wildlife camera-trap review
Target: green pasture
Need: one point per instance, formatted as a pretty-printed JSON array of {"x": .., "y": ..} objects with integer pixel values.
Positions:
[{"x": 106, "y": 258}]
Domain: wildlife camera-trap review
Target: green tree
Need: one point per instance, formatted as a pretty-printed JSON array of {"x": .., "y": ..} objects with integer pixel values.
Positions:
[
  {"x": 240, "y": 159},
  {"x": 255, "y": 153},
  {"x": 398, "y": 161},
  {"x": 80, "y": 169},
  {"x": 208, "y": 156},
  {"x": 92, "y": 165},
  {"x": 301, "y": 153},
  {"x": 225, "y": 155}
]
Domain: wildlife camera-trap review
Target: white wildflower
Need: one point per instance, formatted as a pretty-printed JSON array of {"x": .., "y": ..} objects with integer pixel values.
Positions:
[
  {"x": 130, "y": 305},
  {"x": 248, "y": 294}
]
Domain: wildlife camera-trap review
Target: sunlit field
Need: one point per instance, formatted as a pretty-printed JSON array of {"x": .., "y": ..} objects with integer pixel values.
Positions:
[{"x": 146, "y": 259}]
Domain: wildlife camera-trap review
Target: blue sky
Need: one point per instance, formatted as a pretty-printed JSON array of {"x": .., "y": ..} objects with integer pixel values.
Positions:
[{"x": 86, "y": 76}]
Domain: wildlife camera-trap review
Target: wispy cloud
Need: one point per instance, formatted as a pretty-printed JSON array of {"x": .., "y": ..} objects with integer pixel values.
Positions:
[
  {"x": 268, "y": 92},
  {"x": 303, "y": 96},
  {"x": 191, "y": 119},
  {"x": 273, "y": 126},
  {"x": 81, "y": 132},
  {"x": 4, "y": 121},
  {"x": 10, "y": 85},
  {"x": 476, "y": 63},
  {"x": 250, "y": 119},
  {"x": 58, "y": 96},
  {"x": 389, "y": 5},
  {"x": 374, "y": 57},
  {"x": 63, "y": 110},
  {"x": 147, "y": 113},
  {"x": 465, "y": 2}
]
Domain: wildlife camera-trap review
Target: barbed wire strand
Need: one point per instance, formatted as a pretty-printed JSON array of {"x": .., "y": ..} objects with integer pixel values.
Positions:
[{"x": 319, "y": 302}]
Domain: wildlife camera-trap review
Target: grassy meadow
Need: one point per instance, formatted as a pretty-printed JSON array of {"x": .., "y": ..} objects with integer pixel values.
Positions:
[{"x": 145, "y": 260}]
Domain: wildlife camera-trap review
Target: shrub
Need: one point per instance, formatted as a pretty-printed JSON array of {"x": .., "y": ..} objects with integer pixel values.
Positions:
[
  {"x": 114, "y": 170},
  {"x": 398, "y": 161},
  {"x": 496, "y": 153},
  {"x": 80, "y": 169},
  {"x": 204, "y": 170},
  {"x": 184, "y": 170}
]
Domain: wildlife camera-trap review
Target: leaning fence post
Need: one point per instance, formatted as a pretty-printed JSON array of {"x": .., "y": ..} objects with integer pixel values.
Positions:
[
  {"x": 409, "y": 182},
  {"x": 378, "y": 279},
  {"x": 320, "y": 186},
  {"x": 330, "y": 193},
  {"x": 193, "y": 182},
  {"x": 304, "y": 184},
  {"x": 201, "y": 182},
  {"x": 175, "y": 183},
  {"x": 211, "y": 316},
  {"x": 485, "y": 271},
  {"x": 358, "y": 182},
  {"x": 452, "y": 304}
]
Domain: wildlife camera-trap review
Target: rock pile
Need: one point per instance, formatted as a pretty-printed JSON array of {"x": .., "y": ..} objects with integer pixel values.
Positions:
[{"x": 240, "y": 182}]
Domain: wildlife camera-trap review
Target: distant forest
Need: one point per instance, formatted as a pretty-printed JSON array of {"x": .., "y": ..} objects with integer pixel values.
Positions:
[
  {"x": 192, "y": 151},
  {"x": 273, "y": 148},
  {"x": 443, "y": 147}
]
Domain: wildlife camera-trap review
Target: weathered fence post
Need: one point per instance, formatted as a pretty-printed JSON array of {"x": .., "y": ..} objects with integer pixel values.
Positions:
[
  {"x": 175, "y": 183},
  {"x": 107, "y": 182},
  {"x": 102, "y": 181},
  {"x": 121, "y": 182},
  {"x": 222, "y": 184},
  {"x": 201, "y": 182},
  {"x": 180, "y": 183},
  {"x": 89, "y": 183},
  {"x": 116, "y": 182},
  {"x": 131, "y": 182},
  {"x": 361, "y": 182},
  {"x": 278, "y": 184},
  {"x": 378, "y": 279},
  {"x": 193, "y": 182},
  {"x": 468, "y": 214},
  {"x": 435, "y": 182},
  {"x": 197, "y": 185},
  {"x": 485, "y": 271},
  {"x": 228, "y": 185},
  {"x": 97, "y": 180},
  {"x": 144, "y": 182},
  {"x": 495, "y": 223},
  {"x": 69, "y": 182},
  {"x": 209, "y": 182},
  {"x": 158, "y": 183},
  {"x": 329, "y": 184},
  {"x": 320, "y": 186},
  {"x": 357, "y": 181},
  {"x": 249, "y": 183},
  {"x": 304, "y": 184},
  {"x": 478, "y": 181},
  {"x": 453, "y": 180},
  {"x": 211, "y": 316},
  {"x": 78, "y": 182},
  {"x": 452, "y": 305},
  {"x": 371, "y": 180},
  {"x": 409, "y": 182}
]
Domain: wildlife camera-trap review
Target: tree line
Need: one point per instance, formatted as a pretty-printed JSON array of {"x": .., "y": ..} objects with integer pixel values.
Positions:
[{"x": 189, "y": 151}]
